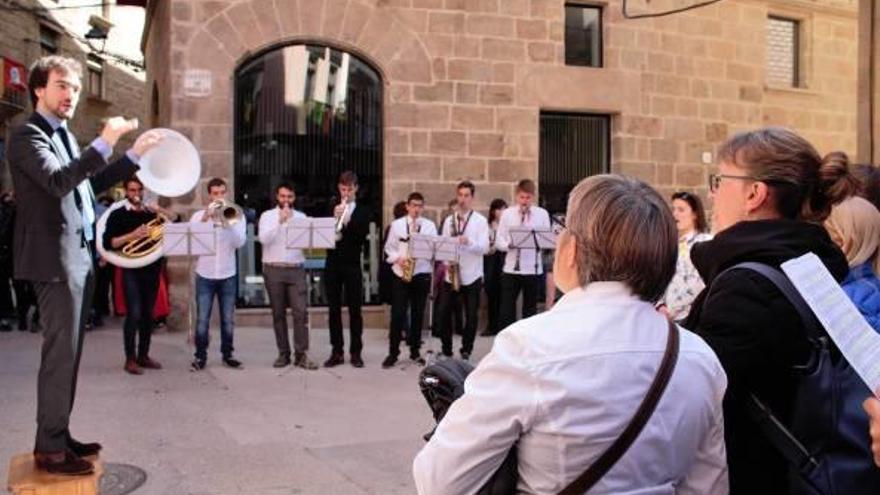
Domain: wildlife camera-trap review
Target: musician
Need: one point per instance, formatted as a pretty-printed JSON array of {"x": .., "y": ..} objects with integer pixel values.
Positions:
[
  {"x": 412, "y": 280},
  {"x": 129, "y": 224},
  {"x": 493, "y": 265},
  {"x": 522, "y": 267},
  {"x": 52, "y": 234},
  {"x": 285, "y": 279},
  {"x": 472, "y": 231},
  {"x": 216, "y": 276},
  {"x": 343, "y": 271}
]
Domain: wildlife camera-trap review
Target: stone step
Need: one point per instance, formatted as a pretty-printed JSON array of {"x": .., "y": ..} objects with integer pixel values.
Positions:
[{"x": 26, "y": 479}]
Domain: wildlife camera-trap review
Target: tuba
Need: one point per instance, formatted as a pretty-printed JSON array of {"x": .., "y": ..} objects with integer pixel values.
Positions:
[{"x": 171, "y": 168}]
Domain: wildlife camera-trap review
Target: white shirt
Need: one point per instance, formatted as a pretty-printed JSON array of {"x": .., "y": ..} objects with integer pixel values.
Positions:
[
  {"x": 537, "y": 218},
  {"x": 272, "y": 237},
  {"x": 397, "y": 243},
  {"x": 221, "y": 265},
  {"x": 470, "y": 261},
  {"x": 565, "y": 383}
]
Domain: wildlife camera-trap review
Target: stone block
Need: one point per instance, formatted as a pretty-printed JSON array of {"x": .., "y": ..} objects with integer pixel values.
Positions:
[
  {"x": 419, "y": 115},
  {"x": 531, "y": 29},
  {"x": 448, "y": 142},
  {"x": 334, "y": 17},
  {"x": 690, "y": 175},
  {"x": 438, "y": 92},
  {"x": 419, "y": 141},
  {"x": 489, "y": 25},
  {"x": 643, "y": 171},
  {"x": 214, "y": 138},
  {"x": 221, "y": 28},
  {"x": 503, "y": 49},
  {"x": 664, "y": 150},
  {"x": 396, "y": 141},
  {"x": 547, "y": 9},
  {"x": 466, "y": 92},
  {"x": 446, "y": 22},
  {"x": 459, "y": 168},
  {"x": 467, "y": 46},
  {"x": 473, "y": 118},
  {"x": 470, "y": 70},
  {"x": 517, "y": 121},
  {"x": 511, "y": 170},
  {"x": 540, "y": 51},
  {"x": 683, "y": 129},
  {"x": 486, "y": 144},
  {"x": 411, "y": 65},
  {"x": 503, "y": 72},
  {"x": 496, "y": 94},
  {"x": 415, "y": 20},
  {"x": 516, "y": 8},
  {"x": 268, "y": 18},
  {"x": 642, "y": 126},
  {"x": 407, "y": 167},
  {"x": 356, "y": 17}
]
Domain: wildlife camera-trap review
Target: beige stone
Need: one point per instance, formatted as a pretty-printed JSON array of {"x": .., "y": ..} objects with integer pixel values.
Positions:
[
  {"x": 470, "y": 70},
  {"x": 448, "y": 142},
  {"x": 418, "y": 115},
  {"x": 511, "y": 120},
  {"x": 489, "y": 25},
  {"x": 502, "y": 49},
  {"x": 496, "y": 94},
  {"x": 486, "y": 144},
  {"x": 459, "y": 168},
  {"x": 510, "y": 170},
  {"x": 414, "y": 167},
  {"x": 541, "y": 52},
  {"x": 438, "y": 92},
  {"x": 466, "y": 92},
  {"x": 531, "y": 29},
  {"x": 473, "y": 118},
  {"x": 446, "y": 22}
]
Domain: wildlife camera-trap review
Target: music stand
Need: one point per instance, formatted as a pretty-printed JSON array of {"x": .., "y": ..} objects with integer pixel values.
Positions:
[
  {"x": 189, "y": 239},
  {"x": 433, "y": 248},
  {"x": 309, "y": 233},
  {"x": 532, "y": 238}
]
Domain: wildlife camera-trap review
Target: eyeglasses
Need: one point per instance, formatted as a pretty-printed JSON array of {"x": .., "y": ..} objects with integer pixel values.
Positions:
[{"x": 715, "y": 180}]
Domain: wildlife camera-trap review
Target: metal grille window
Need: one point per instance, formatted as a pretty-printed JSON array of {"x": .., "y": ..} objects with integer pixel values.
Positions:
[
  {"x": 572, "y": 147},
  {"x": 95, "y": 68},
  {"x": 583, "y": 35},
  {"x": 783, "y": 52},
  {"x": 48, "y": 40},
  {"x": 305, "y": 113}
]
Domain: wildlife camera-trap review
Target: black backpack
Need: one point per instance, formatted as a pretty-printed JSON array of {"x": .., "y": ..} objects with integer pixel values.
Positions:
[{"x": 826, "y": 443}]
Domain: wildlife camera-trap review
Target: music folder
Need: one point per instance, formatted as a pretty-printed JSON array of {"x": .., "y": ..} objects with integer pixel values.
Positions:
[
  {"x": 526, "y": 238},
  {"x": 189, "y": 239},
  {"x": 308, "y": 233}
]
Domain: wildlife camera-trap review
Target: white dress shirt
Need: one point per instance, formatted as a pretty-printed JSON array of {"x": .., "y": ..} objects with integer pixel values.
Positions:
[
  {"x": 565, "y": 383},
  {"x": 398, "y": 241},
  {"x": 272, "y": 237},
  {"x": 529, "y": 259},
  {"x": 221, "y": 264},
  {"x": 470, "y": 261}
]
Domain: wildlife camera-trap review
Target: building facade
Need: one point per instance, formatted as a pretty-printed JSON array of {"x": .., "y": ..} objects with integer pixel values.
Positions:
[{"x": 420, "y": 94}]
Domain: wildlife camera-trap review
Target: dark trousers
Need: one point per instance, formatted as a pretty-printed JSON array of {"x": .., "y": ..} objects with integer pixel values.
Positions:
[
  {"x": 468, "y": 298},
  {"x": 141, "y": 286},
  {"x": 103, "y": 280},
  {"x": 287, "y": 289},
  {"x": 348, "y": 278},
  {"x": 64, "y": 309},
  {"x": 7, "y": 309},
  {"x": 408, "y": 298},
  {"x": 511, "y": 286},
  {"x": 493, "y": 266},
  {"x": 25, "y": 298}
]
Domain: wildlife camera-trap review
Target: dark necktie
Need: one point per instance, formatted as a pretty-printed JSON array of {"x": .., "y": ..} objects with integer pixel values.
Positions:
[{"x": 82, "y": 194}]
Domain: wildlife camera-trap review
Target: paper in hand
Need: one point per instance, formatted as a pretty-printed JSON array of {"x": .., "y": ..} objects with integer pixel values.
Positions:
[{"x": 852, "y": 334}]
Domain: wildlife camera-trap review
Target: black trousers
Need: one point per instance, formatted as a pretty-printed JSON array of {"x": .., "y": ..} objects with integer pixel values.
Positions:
[
  {"x": 141, "y": 285},
  {"x": 408, "y": 298},
  {"x": 103, "y": 280},
  {"x": 493, "y": 266},
  {"x": 511, "y": 286},
  {"x": 347, "y": 278},
  {"x": 25, "y": 298},
  {"x": 7, "y": 309},
  {"x": 468, "y": 298},
  {"x": 64, "y": 307}
]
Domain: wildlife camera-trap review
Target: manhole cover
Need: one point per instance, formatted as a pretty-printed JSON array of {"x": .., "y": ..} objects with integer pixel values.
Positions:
[{"x": 120, "y": 479}]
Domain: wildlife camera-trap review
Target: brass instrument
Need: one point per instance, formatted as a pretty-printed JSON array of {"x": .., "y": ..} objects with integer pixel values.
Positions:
[
  {"x": 145, "y": 246},
  {"x": 340, "y": 221},
  {"x": 453, "y": 267},
  {"x": 224, "y": 213},
  {"x": 409, "y": 263}
]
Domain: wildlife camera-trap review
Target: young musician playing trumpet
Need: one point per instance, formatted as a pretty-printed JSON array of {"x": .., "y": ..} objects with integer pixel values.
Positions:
[
  {"x": 522, "y": 267},
  {"x": 464, "y": 278},
  {"x": 131, "y": 225},
  {"x": 216, "y": 276},
  {"x": 412, "y": 279}
]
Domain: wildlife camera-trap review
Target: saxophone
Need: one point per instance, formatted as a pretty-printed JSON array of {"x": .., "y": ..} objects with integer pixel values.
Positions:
[
  {"x": 409, "y": 264},
  {"x": 453, "y": 268}
]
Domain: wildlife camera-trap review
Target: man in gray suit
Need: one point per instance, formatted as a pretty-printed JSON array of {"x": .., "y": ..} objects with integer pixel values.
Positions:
[{"x": 54, "y": 184}]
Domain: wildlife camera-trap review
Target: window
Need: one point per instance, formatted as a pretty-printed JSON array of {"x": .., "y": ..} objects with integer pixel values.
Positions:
[
  {"x": 583, "y": 35},
  {"x": 48, "y": 40},
  {"x": 572, "y": 147},
  {"x": 95, "y": 68},
  {"x": 783, "y": 52}
]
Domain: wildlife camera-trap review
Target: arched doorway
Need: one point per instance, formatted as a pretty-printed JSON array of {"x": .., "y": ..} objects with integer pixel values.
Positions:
[{"x": 304, "y": 113}]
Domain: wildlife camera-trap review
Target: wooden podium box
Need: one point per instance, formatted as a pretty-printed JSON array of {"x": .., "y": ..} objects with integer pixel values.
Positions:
[{"x": 25, "y": 479}]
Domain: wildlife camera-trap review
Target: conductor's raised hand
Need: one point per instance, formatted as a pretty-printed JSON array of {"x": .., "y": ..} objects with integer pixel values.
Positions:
[
  {"x": 146, "y": 141},
  {"x": 116, "y": 127}
]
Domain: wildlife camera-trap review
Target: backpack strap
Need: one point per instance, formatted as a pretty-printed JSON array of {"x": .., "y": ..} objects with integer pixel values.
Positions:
[
  {"x": 779, "y": 436},
  {"x": 646, "y": 409}
]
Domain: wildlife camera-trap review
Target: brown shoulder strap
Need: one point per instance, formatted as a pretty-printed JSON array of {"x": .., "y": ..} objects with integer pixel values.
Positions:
[{"x": 607, "y": 460}]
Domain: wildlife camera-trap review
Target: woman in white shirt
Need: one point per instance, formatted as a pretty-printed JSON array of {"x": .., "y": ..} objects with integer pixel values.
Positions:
[
  {"x": 562, "y": 385},
  {"x": 690, "y": 221}
]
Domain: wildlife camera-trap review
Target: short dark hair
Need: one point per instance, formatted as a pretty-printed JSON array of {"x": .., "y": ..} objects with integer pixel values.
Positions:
[
  {"x": 285, "y": 185},
  {"x": 348, "y": 178},
  {"x": 415, "y": 196},
  {"x": 39, "y": 72},
  {"x": 215, "y": 182},
  {"x": 526, "y": 185},
  {"x": 466, "y": 184},
  {"x": 399, "y": 209},
  {"x": 696, "y": 206},
  {"x": 496, "y": 205},
  {"x": 133, "y": 178}
]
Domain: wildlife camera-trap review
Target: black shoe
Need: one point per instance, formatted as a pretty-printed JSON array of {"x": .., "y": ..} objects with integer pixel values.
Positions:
[
  {"x": 83, "y": 449},
  {"x": 355, "y": 359},
  {"x": 465, "y": 355},
  {"x": 335, "y": 359},
  {"x": 301, "y": 360},
  {"x": 97, "y": 322},
  {"x": 417, "y": 358},
  {"x": 231, "y": 362},
  {"x": 22, "y": 325},
  {"x": 389, "y": 362},
  {"x": 197, "y": 365},
  {"x": 64, "y": 463},
  {"x": 282, "y": 361}
]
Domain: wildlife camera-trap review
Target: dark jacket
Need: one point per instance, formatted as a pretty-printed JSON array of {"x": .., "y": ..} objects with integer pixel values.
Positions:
[
  {"x": 756, "y": 334},
  {"x": 48, "y": 240},
  {"x": 348, "y": 249}
]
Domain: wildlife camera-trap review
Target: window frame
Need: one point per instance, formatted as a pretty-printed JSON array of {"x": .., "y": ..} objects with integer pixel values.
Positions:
[
  {"x": 600, "y": 30},
  {"x": 49, "y": 40},
  {"x": 95, "y": 65},
  {"x": 804, "y": 34}
]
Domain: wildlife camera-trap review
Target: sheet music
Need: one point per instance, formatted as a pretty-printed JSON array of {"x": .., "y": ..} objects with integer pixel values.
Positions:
[
  {"x": 307, "y": 233},
  {"x": 189, "y": 239},
  {"x": 526, "y": 238},
  {"x": 855, "y": 338}
]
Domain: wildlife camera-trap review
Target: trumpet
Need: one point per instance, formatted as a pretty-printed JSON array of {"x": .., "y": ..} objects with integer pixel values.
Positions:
[
  {"x": 224, "y": 213},
  {"x": 340, "y": 221}
]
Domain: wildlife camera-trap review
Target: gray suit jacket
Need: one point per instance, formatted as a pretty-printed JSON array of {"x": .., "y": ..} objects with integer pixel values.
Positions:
[{"x": 48, "y": 240}]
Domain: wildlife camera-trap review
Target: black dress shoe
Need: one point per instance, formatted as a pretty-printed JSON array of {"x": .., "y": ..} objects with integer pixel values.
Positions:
[
  {"x": 355, "y": 360},
  {"x": 64, "y": 463},
  {"x": 83, "y": 449},
  {"x": 335, "y": 359},
  {"x": 389, "y": 362},
  {"x": 282, "y": 361},
  {"x": 231, "y": 362}
]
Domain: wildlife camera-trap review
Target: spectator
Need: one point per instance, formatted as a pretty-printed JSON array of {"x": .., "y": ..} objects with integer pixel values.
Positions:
[
  {"x": 869, "y": 179},
  {"x": 561, "y": 397},
  {"x": 7, "y": 223},
  {"x": 690, "y": 221}
]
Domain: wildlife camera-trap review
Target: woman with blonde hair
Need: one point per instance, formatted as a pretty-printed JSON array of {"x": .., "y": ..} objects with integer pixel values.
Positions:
[{"x": 854, "y": 225}]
